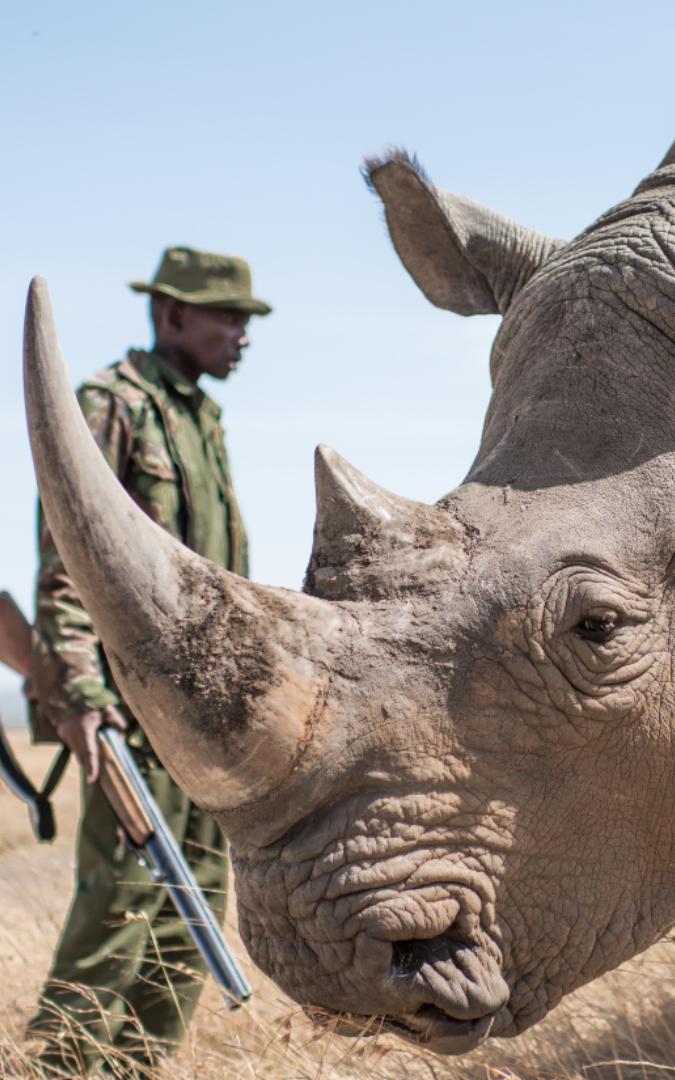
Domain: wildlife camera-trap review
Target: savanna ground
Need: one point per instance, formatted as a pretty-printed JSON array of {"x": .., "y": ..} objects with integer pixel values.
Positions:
[{"x": 621, "y": 1026}]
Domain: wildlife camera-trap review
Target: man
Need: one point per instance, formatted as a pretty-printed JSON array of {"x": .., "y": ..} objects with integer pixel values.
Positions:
[{"x": 126, "y": 977}]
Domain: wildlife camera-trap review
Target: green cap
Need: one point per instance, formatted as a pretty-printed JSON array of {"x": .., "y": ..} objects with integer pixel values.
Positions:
[{"x": 200, "y": 277}]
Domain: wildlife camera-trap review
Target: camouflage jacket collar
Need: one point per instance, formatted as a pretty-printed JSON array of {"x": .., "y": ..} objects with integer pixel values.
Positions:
[{"x": 160, "y": 373}]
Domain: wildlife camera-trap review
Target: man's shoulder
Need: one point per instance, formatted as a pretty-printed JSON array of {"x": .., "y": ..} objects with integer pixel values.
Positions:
[{"x": 120, "y": 380}]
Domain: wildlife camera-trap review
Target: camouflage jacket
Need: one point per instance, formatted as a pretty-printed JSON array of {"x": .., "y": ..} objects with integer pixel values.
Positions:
[{"x": 163, "y": 439}]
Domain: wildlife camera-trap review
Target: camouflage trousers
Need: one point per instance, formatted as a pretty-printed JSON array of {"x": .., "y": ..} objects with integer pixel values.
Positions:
[{"x": 126, "y": 976}]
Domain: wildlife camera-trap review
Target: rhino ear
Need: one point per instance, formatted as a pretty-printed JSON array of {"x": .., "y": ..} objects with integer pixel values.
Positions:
[
  {"x": 463, "y": 256},
  {"x": 663, "y": 175}
]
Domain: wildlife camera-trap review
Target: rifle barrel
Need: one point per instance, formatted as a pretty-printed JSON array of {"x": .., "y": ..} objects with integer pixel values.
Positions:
[{"x": 173, "y": 871}]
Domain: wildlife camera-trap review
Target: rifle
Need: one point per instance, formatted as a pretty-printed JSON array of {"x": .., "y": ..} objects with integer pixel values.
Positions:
[{"x": 140, "y": 818}]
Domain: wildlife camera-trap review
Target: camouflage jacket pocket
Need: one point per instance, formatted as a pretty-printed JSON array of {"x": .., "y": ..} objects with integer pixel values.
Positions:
[{"x": 154, "y": 482}]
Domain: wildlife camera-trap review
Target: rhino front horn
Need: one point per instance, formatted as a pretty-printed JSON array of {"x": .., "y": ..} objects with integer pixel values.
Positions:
[{"x": 217, "y": 670}]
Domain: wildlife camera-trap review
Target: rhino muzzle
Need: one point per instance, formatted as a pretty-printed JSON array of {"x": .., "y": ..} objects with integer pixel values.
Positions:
[{"x": 444, "y": 993}]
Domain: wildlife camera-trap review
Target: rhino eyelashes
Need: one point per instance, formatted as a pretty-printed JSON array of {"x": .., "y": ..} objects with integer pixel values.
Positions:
[{"x": 599, "y": 629}]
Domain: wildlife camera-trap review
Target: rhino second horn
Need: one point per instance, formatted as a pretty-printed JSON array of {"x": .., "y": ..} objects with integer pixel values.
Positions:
[
  {"x": 347, "y": 500},
  {"x": 228, "y": 720},
  {"x": 355, "y": 521},
  {"x": 349, "y": 505}
]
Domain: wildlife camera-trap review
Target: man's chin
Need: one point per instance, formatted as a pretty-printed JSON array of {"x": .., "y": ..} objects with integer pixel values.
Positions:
[{"x": 223, "y": 370}]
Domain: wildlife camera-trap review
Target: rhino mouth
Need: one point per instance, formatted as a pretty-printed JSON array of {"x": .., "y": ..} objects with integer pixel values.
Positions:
[
  {"x": 434, "y": 1029},
  {"x": 429, "y": 1026}
]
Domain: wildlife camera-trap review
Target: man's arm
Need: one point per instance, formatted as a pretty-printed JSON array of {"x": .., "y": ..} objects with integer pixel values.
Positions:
[{"x": 69, "y": 675}]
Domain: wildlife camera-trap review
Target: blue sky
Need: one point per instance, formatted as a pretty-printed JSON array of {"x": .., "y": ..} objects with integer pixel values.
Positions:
[{"x": 240, "y": 128}]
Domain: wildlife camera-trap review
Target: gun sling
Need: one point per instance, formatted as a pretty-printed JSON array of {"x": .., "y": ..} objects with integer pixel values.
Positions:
[{"x": 38, "y": 799}]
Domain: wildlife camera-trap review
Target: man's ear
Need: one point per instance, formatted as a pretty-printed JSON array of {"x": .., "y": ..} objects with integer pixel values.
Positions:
[
  {"x": 463, "y": 256},
  {"x": 175, "y": 313}
]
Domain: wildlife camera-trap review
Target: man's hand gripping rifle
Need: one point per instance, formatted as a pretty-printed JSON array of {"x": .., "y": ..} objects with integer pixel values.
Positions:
[{"x": 136, "y": 810}]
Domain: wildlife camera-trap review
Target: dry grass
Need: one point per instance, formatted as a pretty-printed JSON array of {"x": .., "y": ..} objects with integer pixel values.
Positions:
[{"x": 621, "y": 1026}]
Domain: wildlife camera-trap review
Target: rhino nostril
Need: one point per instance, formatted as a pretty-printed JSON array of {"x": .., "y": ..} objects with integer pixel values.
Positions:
[
  {"x": 452, "y": 971},
  {"x": 408, "y": 957}
]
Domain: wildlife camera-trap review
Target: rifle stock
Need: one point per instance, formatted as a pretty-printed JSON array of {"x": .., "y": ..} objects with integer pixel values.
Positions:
[
  {"x": 135, "y": 809},
  {"x": 16, "y": 646}
]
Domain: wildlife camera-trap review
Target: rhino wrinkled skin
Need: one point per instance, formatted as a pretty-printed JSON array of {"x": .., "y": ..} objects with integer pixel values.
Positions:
[{"x": 446, "y": 768}]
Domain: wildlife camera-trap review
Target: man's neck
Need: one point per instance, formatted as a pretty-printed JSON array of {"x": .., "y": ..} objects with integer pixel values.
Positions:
[{"x": 179, "y": 361}]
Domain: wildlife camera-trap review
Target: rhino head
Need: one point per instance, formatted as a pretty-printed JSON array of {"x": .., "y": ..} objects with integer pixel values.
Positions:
[{"x": 446, "y": 767}]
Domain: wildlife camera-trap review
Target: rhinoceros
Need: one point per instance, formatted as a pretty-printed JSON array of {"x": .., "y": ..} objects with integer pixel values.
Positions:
[{"x": 446, "y": 766}]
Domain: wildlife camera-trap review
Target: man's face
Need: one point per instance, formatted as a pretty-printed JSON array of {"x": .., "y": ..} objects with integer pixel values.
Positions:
[
  {"x": 212, "y": 339},
  {"x": 200, "y": 340}
]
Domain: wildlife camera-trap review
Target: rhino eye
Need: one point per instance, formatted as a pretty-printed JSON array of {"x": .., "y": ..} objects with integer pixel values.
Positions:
[{"x": 597, "y": 628}]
